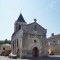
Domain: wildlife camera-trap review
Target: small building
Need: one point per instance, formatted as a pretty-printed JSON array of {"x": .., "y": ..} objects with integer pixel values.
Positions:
[
  {"x": 54, "y": 44},
  {"x": 5, "y": 49}
]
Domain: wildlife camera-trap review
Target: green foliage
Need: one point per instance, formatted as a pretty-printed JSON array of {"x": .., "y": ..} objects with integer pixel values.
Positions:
[
  {"x": 1, "y": 42},
  {"x": 5, "y": 41}
]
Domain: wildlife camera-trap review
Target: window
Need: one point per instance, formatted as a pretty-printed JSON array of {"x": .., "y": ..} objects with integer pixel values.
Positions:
[
  {"x": 19, "y": 27},
  {"x": 13, "y": 45},
  {"x": 17, "y": 42},
  {"x": 48, "y": 43},
  {"x": 35, "y": 41},
  {"x": 3, "y": 48},
  {"x": 58, "y": 41},
  {"x": 54, "y": 41}
]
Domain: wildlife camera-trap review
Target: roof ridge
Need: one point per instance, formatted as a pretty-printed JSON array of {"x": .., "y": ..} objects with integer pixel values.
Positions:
[{"x": 55, "y": 36}]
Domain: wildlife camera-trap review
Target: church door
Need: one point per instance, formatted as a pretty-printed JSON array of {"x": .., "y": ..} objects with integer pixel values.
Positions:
[{"x": 35, "y": 52}]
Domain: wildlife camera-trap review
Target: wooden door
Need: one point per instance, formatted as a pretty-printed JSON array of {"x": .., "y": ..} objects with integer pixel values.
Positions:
[{"x": 35, "y": 52}]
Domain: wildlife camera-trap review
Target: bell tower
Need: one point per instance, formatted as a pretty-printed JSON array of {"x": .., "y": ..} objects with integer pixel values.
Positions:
[{"x": 19, "y": 23}]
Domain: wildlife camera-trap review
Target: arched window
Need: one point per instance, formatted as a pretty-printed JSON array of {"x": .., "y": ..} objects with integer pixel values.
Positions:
[
  {"x": 13, "y": 45},
  {"x": 17, "y": 42},
  {"x": 19, "y": 27},
  {"x": 35, "y": 27}
]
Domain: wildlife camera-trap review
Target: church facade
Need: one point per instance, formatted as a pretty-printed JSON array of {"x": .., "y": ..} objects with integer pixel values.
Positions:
[{"x": 28, "y": 40}]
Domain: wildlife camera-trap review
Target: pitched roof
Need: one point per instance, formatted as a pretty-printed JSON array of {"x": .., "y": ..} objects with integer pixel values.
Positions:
[
  {"x": 55, "y": 36},
  {"x": 20, "y": 18},
  {"x": 31, "y": 27}
]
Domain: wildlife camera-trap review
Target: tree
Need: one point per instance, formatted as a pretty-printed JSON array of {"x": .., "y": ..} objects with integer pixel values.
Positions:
[
  {"x": 1, "y": 42},
  {"x": 5, "y": 41}
]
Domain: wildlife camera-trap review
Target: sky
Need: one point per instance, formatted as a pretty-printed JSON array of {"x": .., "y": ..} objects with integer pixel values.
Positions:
[{"x": 47, "y": 13}]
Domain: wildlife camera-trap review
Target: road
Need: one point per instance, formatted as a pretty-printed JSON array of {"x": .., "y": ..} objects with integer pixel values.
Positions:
[
  {"x": 43, "y": 58},
  {"x": 6, "y": 58}
]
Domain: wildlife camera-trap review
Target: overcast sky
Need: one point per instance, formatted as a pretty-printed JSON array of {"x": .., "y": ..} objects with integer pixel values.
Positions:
[{"x": 47, "y": 13}]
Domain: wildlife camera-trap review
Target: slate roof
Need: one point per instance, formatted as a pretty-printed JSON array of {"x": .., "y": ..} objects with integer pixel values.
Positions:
[{"x": 20, "y": 18}]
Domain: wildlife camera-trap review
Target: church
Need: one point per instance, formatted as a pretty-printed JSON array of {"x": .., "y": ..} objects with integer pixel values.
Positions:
[{"x": 28, "y": 40}]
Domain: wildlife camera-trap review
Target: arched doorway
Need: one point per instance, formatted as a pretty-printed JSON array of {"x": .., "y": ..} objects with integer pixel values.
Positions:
[{"x": 35, "y": 52}]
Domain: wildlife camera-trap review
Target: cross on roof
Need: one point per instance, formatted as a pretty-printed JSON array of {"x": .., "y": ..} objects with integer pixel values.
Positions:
[{"x": 35, "y": 20}]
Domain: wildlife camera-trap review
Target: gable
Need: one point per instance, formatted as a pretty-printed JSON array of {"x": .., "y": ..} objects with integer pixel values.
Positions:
[{"x": 30, "y": 28}]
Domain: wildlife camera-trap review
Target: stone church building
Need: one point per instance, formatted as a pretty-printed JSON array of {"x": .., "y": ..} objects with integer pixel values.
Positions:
[{"x": 28, "y": 40}]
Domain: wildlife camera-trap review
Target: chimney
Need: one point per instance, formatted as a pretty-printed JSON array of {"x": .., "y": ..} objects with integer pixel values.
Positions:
[{"x": 52, "y": 34}]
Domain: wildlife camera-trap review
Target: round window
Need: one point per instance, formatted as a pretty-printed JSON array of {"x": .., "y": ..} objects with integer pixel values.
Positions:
[{"x": 35, "y": 41}]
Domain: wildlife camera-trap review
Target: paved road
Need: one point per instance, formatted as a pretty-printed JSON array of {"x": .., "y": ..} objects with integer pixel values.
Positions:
[
  {"x": 44, "y": 58},
  {"x": 6, "y": 58},
  {"x": 54, "y": 55}
]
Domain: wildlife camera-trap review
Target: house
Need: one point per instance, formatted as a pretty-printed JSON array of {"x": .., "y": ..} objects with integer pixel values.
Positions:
[{"x": 54, "y": 44}]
